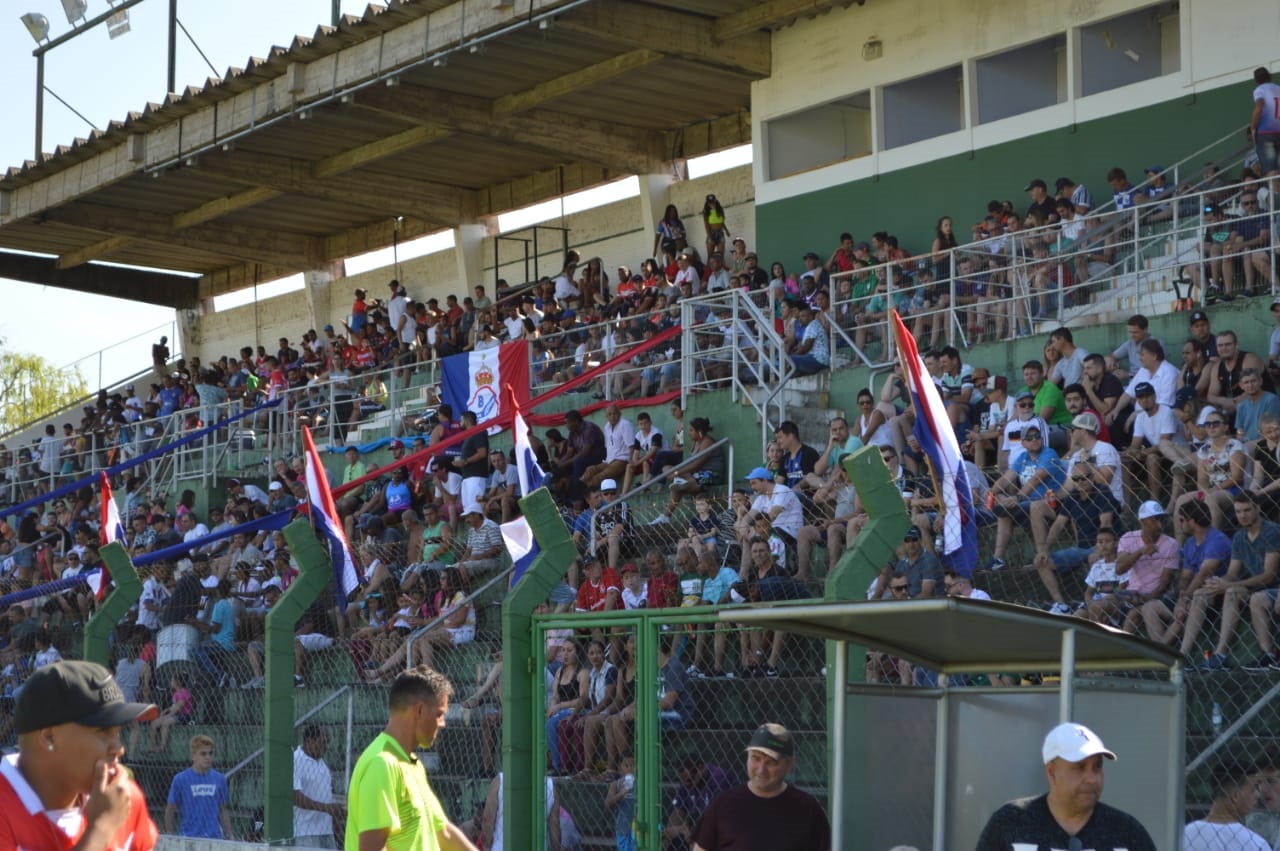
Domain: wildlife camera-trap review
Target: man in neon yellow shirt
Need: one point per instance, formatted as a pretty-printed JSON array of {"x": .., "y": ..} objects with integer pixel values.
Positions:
[{"x": 390, "y": 804}]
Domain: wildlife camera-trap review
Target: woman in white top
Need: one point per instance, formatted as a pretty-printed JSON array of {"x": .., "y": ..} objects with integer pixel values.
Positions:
[{"x": 1220, "y": 470}]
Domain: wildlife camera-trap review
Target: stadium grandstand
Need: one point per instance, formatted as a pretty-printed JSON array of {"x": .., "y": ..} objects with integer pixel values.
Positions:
[{"x": 1072, "y": 208}]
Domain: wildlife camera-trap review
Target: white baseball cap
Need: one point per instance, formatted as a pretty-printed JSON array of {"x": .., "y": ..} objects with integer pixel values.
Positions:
[
  {"x": 1150, "y": 509},
  {"x": 1073, "y": 743}
]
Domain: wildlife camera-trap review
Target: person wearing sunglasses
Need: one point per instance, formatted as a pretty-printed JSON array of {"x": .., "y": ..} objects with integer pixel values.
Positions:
[
  {"x": 1220, "y": 471},
  {"x": 1070, "y": 815},
  {"x": 1033, "y": 474},
  {"x": 1090, "y": 499},
  {"x": 1024, "y": 418}
]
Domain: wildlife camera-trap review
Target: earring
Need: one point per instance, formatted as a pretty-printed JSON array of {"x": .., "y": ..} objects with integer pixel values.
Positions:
[{"x": 51, "y": 746}]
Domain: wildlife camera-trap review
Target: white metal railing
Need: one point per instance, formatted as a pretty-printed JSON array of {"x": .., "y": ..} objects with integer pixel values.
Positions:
[{"x": 1002, "y": 288}]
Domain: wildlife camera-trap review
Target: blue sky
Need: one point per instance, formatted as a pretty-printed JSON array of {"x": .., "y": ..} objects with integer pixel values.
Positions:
[{"x": 104, "y": 79}]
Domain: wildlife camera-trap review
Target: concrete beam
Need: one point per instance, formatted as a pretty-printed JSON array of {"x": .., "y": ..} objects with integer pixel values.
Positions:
[
  {"x": 230, "y": 240},
  {"x": 685, "y": 36},
  {"x": 759, "y": 16},
  {"x": 383, "y": 194},
  {"x": 174, "y": 291},
  {"x": 583, "y": 78},
  {"x": 564, "y": 136}
]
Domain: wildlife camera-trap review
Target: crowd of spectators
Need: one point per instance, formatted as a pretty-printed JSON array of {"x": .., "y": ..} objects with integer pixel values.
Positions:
[{"x": 1075, "y": 449}]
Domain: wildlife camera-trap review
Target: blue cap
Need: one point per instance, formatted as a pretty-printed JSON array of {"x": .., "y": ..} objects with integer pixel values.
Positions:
[
  {"x": 1154, "y": 169},
  {"x": 760, "y": 473}
]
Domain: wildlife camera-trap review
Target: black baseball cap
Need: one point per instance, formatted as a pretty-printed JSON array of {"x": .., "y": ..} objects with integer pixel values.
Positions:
[
  {"x": 1144, "y": 388},
  {"x": 772, "y": 740},
  {"x": 75, "y": 692}
]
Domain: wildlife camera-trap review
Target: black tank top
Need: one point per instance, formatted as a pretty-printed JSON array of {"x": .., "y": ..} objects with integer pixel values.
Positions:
[{"x": 567, "y": 691}]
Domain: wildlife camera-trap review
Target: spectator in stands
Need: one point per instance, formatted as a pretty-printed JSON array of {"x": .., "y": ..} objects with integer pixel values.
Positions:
[
  {"x": 644, "y": 449},
  {"x": 1070, "y": 367},
  {"x": 1157, "y": 438},
  {"x": 1266, "y": 465},
  {"x": 1220, "y": 472},
  {"x": 601, "y": 589},
  {"x": 713, "y": 220},
  {"x": 812, "y": 353},
  {"x": 215, "y": 652},
  {"x": 472, "y": 462},
  {"x": 1042, "y": 210},
  {"x": 1032, "y": 474},
  {"x": 586, "y": 447},
  {"x": 662, "y": 584},
  {"x": 1104, "y": 590},
  {"x": 698, "y": 474},
  {"x": 1049, "y": 404},
  {"x": 198, "y": 796},
  {"x": 503, "y": 489},
  {"x": 776, "y": 502},
  {"x": 921, "y": 568},
  {"x": 1147, "y": 557},
  {"x": 484, "y": 546},
  {"x": 1206, "y": 553},
  {"x": 1087, "y": 503},
  {"x": 1224, "y": 384},
  {"x": 619, "y": 438},
  {"x": 612, "y": 529},
  {"x": 1253, "y": 403}
]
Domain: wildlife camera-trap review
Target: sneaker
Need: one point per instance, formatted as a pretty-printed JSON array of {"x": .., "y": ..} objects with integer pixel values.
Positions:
[
  {"x": 1265, "y": 662},
  {"x": 1216, "y": 662},
  {"x": 695, "y": 672},
  {"x": 659, "y": 520},
  {"x": 997, "y": 564},
  {"x": 770, "y": 672},
  {"x": 298, "y": 682},
  {"x": 1059, "y": 609}
]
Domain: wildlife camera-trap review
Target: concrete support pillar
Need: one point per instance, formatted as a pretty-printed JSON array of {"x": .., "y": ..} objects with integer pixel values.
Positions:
[
  {"x": 320, "y": 284},
  {"x": 655, "y": 194},
  {"x": 468, "y": 248}
]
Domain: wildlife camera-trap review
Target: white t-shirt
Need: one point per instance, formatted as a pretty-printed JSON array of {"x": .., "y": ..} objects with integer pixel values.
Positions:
[
  {"x": 1153, "y": 426},
  {"x": 1165, "y": 382},
  {"x": 1014, "y": 447},
  {"x": 1103, "y": 579},
  {"x": 1205, "y": 836},
  {"x": 312, "y": 778},
  {"x": 791, "y": 518},
  {"x": 1104, "y": 455},
  {"x": 565, "y": 288},
  {"x": 618, "y": 440}
]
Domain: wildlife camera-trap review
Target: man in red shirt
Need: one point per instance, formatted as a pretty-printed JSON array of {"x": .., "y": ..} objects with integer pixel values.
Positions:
[
  {"x": 664, "y": 583},
  {"x": 601, "y": 589},
  {"x": 65, "y": 787}
]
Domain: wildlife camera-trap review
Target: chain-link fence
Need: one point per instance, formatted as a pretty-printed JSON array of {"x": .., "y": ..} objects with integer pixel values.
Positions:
[{"x": 638, "y": 738}]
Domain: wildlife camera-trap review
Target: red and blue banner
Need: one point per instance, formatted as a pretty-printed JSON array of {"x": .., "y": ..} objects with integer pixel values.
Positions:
[
  {"x": 937, "y": 439},
  {"x": 516, "y": 534},
  {"x": 324, "y": 516},
  {"x": 109, "y": 529}
]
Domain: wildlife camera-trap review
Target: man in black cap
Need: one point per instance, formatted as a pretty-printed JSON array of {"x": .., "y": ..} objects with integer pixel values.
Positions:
[
  {"x": 1042, "y": 206},
  {"x": 1199, "y": 323},
  {"x": 765, "y": 812},
  {"x": 68, "y": 720}
]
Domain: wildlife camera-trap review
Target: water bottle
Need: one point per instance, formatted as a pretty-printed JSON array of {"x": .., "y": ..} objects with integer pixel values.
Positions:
[{"x": 1216, "y": 718}]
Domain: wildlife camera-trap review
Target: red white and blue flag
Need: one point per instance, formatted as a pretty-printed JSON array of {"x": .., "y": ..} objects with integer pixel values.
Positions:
[
  {"x": 937, "y": 439},
  {"x": 516, "y": 534},
  {"x": 324, "y": 517},
  {"x": 109, "y": 529},
  {"x": 473, "y": 381}
]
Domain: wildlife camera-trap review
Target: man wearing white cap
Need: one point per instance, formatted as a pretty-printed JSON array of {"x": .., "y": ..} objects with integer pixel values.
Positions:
[
  {"x": 1148, "y": 556},
  {"x": 1070, "y": 815},
  {"x": 765, "y": 812}
]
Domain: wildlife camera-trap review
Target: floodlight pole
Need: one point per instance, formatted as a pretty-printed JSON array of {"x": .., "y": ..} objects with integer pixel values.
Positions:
[
  {"x": 172, "y": 80},
  {"x": 337, "y": 12},
  {"x": 40, "y": 51}
]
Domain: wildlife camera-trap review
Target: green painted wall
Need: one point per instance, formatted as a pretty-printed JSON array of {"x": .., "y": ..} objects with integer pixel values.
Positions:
[{"x": 908, "y": 202}]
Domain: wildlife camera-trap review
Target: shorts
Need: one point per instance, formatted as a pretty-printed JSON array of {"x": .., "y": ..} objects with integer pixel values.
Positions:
[
  {"x": 472, "y": 488},
  {"x": 313, "y": 641},
  {"x": 1070, "y": 559},
  {"x": 462, "y": 634},
  {"x": 715, "y": 236},
  {"x": 702, "y": 477},
  {"x": 562, "y": 594},
  {"x": 452, "y": 484}
]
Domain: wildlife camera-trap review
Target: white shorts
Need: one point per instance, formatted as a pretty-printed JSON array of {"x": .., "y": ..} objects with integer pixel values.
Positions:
[
  {"x": 462, "y": 634},
  {"x": 313, "y": 641},
  {"x": 472, "y": 489}
]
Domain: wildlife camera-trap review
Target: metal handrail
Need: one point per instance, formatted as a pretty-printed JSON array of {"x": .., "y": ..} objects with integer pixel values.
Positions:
[
  {"x": 666, "y": 475},
  {"x": 469, "y": 600},
  {"x": 298, "y": 722}
]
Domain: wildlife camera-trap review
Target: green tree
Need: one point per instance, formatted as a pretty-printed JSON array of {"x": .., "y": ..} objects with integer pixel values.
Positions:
[{"x": 32, "y": 388}]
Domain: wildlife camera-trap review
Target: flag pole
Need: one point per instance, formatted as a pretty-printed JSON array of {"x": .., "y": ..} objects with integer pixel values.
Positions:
[{"x": 933, "y": 474}]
